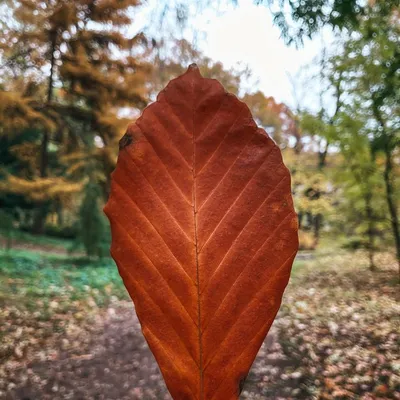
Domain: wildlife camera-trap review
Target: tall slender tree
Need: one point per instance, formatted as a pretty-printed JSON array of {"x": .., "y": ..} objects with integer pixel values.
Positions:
[
  {"x": 359, "y": 177},
  {"x": 370, "y": 65}
]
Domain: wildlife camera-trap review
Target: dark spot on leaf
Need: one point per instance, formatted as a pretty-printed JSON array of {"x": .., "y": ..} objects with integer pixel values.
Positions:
[{"x": 126, "y": 140}]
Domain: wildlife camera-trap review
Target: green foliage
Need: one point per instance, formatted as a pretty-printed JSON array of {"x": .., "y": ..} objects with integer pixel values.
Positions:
[
  {"x": 360, "y": 177},
  {"x": 300, "y": 19},
  {"x": 93, "y": 232},
  {"x": 370, "y": 138},
  {"x": 355, "y": 243},
  {"x": 355, "y": 135},
  {"x": 27, "y": 277}
]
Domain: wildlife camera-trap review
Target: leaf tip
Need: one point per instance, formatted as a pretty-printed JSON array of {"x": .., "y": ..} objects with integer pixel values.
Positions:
[{"x": 194, "y": 69}]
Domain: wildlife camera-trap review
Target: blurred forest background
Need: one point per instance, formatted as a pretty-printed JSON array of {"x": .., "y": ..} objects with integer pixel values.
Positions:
[{"x": 72, "y": 78}]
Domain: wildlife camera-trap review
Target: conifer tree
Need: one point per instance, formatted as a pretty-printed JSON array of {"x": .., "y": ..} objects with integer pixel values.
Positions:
[{"x": 69, "y": 68}]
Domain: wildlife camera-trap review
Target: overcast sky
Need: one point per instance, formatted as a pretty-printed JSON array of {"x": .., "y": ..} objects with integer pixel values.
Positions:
[{"x": 245, "y": 34}]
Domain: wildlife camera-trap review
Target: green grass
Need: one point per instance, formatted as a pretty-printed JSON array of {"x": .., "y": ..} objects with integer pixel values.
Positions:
[
  {"x": 29, "y": 278},
  {"x": 46, "y": 297}
]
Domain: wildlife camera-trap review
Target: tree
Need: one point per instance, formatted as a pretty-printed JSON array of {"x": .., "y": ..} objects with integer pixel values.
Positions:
[
  {"x": 300, "y": 19},
  {"x": 297, "y": 19},
  {"x": 369, "y": 66},
  {"x": 7, "y": 228},
  {"x": 277, "y": 118},
  {"x": 312, "y": 191},
  {"x": 319, "y": 125},
  {"x": 316, "y": 127},
  {"x": 359, "y": 177},
  {"x": 69, "y": 68}
]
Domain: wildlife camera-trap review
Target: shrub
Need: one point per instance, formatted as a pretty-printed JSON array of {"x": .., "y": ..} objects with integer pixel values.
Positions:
[{"x": 92, "y": 228}]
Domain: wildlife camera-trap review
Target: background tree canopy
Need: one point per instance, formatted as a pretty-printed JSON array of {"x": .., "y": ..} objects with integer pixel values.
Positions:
[{"x": 72, "y": 79}]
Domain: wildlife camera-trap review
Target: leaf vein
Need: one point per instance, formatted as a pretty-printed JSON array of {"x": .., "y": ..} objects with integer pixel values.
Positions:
[
  {"x": 242, "y": 271},
  {"x": 236, "y": 199},
  {"x": 240, "y": 355},
  {"x": 213, "y": 118},
  {"x": 163, "y": 202},
  {"x": 254, "y": 295},
  {"x": 220, "y": 143},
  {"x": 243, "y": 229},
  {"x": 152, "y": 225},
  {"x": 164, "y": 165},
  {"x": 225, "y": 174},
  {"x": 158, "y": 119},
  {"x": 163, "y": 313},
  {"x": 158, "y": 271}
]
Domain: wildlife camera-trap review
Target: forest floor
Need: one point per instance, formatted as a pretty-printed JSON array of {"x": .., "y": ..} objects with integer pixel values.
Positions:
[{"x": 68, "y": 331}]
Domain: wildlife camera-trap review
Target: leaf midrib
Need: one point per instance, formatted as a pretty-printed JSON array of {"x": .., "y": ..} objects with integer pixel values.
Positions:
[{"x": 196, "y": 250}]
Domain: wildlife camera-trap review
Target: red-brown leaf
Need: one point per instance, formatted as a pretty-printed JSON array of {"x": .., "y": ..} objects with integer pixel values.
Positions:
[{"x": 204, "y": 234}]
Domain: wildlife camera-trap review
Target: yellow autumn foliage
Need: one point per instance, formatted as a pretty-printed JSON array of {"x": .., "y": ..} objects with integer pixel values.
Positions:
[
  {"x": 41, "y": 189},
  {"x": 28, "y": 154},
  {"x": 17, "y": 113}
]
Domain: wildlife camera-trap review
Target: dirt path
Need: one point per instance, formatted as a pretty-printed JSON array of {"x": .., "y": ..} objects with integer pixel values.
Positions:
[
  {"x": 41, "y": 248},
  {"x": 116, "y": 364}
]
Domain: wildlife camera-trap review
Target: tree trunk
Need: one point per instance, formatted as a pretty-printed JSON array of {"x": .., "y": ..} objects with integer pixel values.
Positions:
[
  {"x": 322, "y": 156},
  {"x": 300, "y": 216},
  {"x": 39, "y": 219},
  {"x": 41, "y": 209},
  {"x": 60, "y": 214},
  {"x": 394, "y": 219},
  {"x": 317, "y": 227},
  {"x": 370, "y": 231},
  {"x": 44, "y": 156}
]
